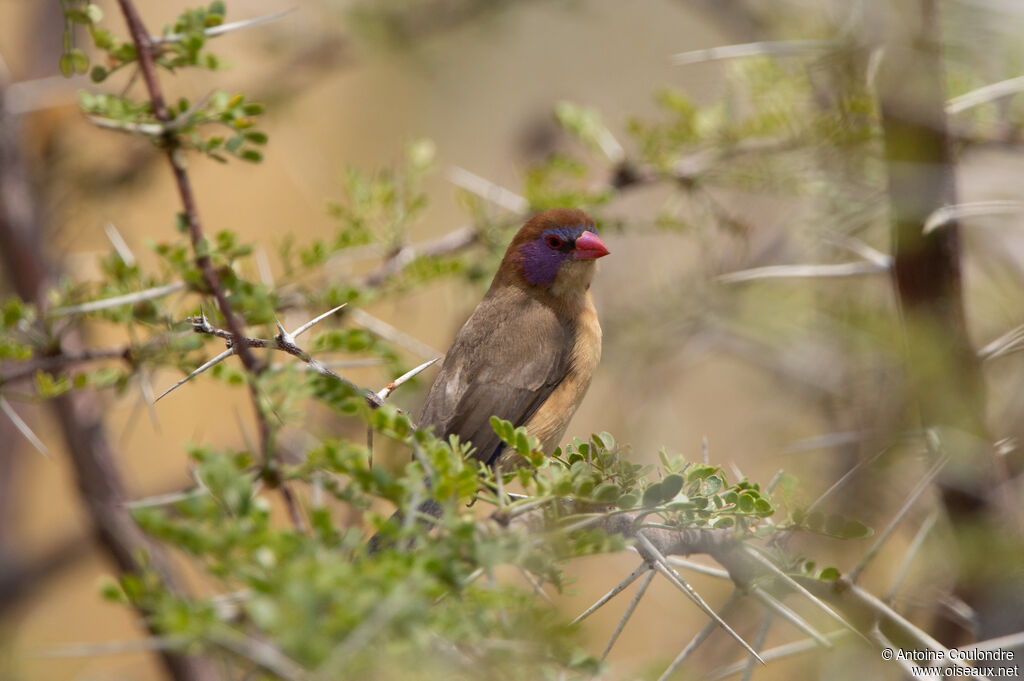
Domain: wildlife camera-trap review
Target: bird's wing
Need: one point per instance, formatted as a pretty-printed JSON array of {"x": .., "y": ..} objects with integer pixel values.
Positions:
[{"x": 505, "y": 361}]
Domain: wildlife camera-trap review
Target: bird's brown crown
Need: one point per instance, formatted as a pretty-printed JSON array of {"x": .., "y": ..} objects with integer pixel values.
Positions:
[
  {"x": 549, "y": 219},
  {"x": 542, "y": 246}
]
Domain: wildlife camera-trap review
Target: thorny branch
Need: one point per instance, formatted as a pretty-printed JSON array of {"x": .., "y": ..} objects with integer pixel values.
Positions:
[
  {"x": 144, "y": 47},
  {"x": 99, "y": 481},
  {"x": 750, "y": 571},
  {"x": 283, "y": 341}
]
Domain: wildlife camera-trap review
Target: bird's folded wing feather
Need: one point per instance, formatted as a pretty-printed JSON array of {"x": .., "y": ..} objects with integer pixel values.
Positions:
[{"x": 505, "y": 361}]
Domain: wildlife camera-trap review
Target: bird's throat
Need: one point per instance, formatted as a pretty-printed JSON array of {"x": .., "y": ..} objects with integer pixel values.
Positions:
[{"x": 573, "y": 279}]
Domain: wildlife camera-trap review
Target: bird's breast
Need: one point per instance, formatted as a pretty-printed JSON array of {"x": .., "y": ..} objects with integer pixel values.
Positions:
[{"x": 549, "y": 422}]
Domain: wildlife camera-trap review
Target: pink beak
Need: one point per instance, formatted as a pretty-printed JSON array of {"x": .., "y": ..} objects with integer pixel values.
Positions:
[{"x": 589, "y": 247}]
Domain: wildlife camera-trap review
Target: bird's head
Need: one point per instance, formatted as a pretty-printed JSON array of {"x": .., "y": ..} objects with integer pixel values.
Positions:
[{"x": 555, "y": 250}]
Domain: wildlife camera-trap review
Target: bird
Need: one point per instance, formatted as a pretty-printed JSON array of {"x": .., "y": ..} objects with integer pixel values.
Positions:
[{"x": 528, "y": 351}]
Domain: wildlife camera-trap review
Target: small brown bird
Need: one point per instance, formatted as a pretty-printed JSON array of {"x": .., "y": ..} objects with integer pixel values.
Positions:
[{"x": 529, "y": 350}]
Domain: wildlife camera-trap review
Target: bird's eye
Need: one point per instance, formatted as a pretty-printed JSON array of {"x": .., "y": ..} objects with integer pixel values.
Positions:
[{"x": 553, "y": 242}]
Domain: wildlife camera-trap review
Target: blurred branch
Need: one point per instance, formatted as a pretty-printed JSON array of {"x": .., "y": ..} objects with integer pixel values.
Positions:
[
  {"x": 452, "y": 242},
  {"x": 983, "y": 95},
  {"x": 947, "y": 215},
  {"x": 379, "y": 327},
  {"x": 65, "y": 360},
  {"x": 860, "y": 611},
  {"x": 23, "y": 427},
  {"x": 20, "y": 578},
  {"x": 777, "y": 48},
  {"x": 117, "y": 301},
  {"x": 846, "y": 269},
  {"x": 92, "y": 457},
  {"x": 946, "y": 387},
  {"x": 215, "y": 31}
]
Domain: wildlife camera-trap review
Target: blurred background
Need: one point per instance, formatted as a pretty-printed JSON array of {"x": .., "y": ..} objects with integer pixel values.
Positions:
[{"x": 767, "y": 371}]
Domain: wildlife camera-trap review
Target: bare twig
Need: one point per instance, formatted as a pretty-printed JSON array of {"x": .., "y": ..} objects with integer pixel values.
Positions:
[
  {"x": 148, "y": 129},
  {"x": 452, "y": 242},
  {"x": 203, "y": 367},
  {"x": 635, "y": 601},
  {"x": 615, "y": 591},
  {"x": 1001, "y": 642},
  {"x": 166, "y": 499},
  {"x": 119, "y": 244},
  {"x": 260, "y": 653},
  {"x": 697, "y": 567},
  {"x": 663, "y": 566},
  {"x": 777, "y": 653},
  {"x": 781, "y": 574},
  {"x": 215, "y": 31},
  {"x": 316, "y": 320},
  {"x": 379, "y": 327},
  {"x": 489, "y": 191},
  {"x": 782, "y": 48},
  {"x": 779, "y": 608},
  {"x": 284, "y": 342},
  {"x": 534, "y": 584},
  {"x": 912, "y": 498},
  {"x": 762, "y": 634},
  {"x": 908, "y": 557},
  {"x": 952, "y": 214},
  {"x": 385, "y": 392},
  {"x": 985, "y": 94},
  {"x": 23, "y": 427},
  {"x": 838, "y": 270},
  {"x": 1008, "y": 342},
  {"x": 697, "y": 640},
  {"x": 65, "y": 360},
  {"x": 117, "y": 301}
]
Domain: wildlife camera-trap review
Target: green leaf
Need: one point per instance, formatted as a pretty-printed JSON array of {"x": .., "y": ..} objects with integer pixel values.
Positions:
[
  {"x": 522, "y": 442},
  {"x": 854, "y": 529},
  {"x": 94, "y": 13},
  {"x": 48, "y": 386},
  {"x": 79, "y": 62},
  {"x": 251, "y": 155},
  {"x": 98, "y": 74},
  {"x": 763, "y": 507},
  {"x": 606, "y": 493},
  {"x": 627, "y": 501},
  {"x": 110, "y": 591},
  {"x": 671, "y": 486},
  {"x": 653, "y": 495},
  {"x": 604, "y": 439},
  {"x": 102, "y": 38},
  {"x": 829, "y": 574},
  {"x": 67, "y": 66}
]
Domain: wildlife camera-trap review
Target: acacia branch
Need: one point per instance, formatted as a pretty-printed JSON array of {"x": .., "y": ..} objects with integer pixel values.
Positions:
[
  {"x": 144, "y": 46},
  {"x": 861, "y": 612},
  {"x": 65, "y": 360},
  {"x": 93, "y": 460}
]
